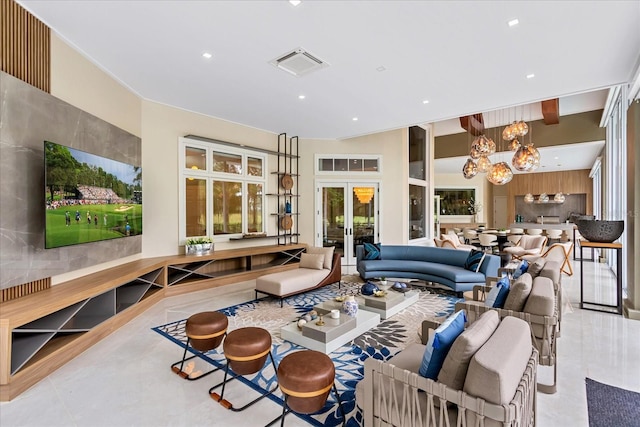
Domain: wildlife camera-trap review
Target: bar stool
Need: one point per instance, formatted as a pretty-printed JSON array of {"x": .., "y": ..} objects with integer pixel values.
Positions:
[
  {"x": 306, "y": 377},
  {"x": 246, "y": 351},
  {"x": 553, "y": 235},
  {"x": 534, "y": 231},
  {"x": 205, "y": 332}
]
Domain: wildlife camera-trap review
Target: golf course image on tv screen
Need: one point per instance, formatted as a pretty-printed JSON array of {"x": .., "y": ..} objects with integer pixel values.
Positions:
[{"x": 89, "y": 198}]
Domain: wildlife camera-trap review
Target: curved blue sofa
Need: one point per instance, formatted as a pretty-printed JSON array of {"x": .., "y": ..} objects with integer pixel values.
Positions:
[{"x": 439, "y": 265}]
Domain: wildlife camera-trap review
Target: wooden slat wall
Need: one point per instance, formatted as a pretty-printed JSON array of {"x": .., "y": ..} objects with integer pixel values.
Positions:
[
  {"x": 26, "y": 46},
  {"x": 569, "y": 182},
  {"x": 24, "y": 289}
]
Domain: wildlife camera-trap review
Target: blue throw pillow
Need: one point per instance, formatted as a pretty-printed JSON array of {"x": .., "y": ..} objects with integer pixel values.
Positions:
[
  {"x": 498, "y": 294},
  {"x": 372, "y": 251},
  {"x": 474, "y": 260},
  {"x": 440, "y": 343},
  {"x": 521, "y": 269}
]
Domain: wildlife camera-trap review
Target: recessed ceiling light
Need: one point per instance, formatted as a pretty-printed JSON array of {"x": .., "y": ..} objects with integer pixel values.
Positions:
[
  {"x": 426, "y": 101},
  {"x": 556, "y": 158},
  {"x": 295, "y": 2},
  {"x": 381, "y": 68},
  {"x": 530, "y": 76},
  {"x": 355, "y": 119},
  {"x": 513, "y": 22},
  {"x": 301, "y": 97},
  {"x": 207, "y": 55}
]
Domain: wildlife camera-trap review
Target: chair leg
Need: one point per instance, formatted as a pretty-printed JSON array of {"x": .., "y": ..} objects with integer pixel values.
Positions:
[
  {"x": 220, "y": 397},
  {"x": 180, "y": 371}
]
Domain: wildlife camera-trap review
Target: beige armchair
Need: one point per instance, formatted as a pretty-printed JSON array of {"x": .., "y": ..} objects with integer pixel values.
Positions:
[{"x": 527, "y": 245}]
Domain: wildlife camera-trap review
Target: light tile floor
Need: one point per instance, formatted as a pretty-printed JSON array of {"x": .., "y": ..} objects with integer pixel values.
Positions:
[{"x": 125, "y": 379}]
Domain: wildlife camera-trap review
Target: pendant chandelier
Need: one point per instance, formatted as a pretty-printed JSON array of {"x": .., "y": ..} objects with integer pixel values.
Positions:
[
  {"x": 364, "y": 194},
  {"x": 484, "y": 146},
  {"x": 470, "y": 169},
  {"x": 500, "y": 173},
  {"x": 484, "y": 164}
]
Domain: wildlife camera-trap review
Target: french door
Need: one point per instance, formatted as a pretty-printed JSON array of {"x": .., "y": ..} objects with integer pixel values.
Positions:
[{"x": 347, "y": 216}]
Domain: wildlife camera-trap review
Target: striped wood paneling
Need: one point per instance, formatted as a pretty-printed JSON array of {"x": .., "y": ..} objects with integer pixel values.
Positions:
[
  {"x": 24, "y": 289},
  {"x": 569, "y": 182},
  {"x": 26, "y": 46}
]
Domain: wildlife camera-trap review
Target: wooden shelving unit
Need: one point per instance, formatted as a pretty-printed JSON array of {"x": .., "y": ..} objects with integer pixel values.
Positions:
[{"x": 42, "y": 331}]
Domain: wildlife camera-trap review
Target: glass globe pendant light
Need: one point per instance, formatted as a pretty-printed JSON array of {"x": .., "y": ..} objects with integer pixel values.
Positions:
[
  {"x": 521, "y": 128},
  {"x": 513, "y": 145},
  {"x": 509, "y": 132},
  {"x": 500, "y": 174},
  {"x": 484, "y": 164},
  {"x": 536, "y": 156},
  {"x": 470, "y": 169},
  {"x": 523, "y": 159},
  {"x": 492, "y": 146},
  {"x": 481, "y": 145}
]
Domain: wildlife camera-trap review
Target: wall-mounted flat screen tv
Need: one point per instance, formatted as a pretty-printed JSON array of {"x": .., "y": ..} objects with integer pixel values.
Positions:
[{"x": 89, "y": 198}]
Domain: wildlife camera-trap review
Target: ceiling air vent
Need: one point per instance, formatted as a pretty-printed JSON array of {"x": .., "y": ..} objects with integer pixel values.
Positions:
[{"x": 298, "y": 62}]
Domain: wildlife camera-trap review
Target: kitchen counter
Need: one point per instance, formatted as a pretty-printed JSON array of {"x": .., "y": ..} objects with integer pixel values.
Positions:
[{"x": 528, "y": 225}]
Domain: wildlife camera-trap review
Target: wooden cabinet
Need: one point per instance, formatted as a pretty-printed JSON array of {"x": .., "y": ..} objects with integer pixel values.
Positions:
[{"x": 42, "y": 331}]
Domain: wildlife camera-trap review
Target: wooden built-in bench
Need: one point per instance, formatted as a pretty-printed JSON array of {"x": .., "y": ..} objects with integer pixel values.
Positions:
[{"x": 42, "y": 331}]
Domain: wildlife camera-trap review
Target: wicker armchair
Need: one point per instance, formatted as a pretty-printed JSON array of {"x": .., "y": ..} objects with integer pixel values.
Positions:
[
  {"x": 396, "y": 395},
  {"x": 544, "y": 328}
]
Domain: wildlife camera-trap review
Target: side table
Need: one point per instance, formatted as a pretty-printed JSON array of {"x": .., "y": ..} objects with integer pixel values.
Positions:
[{"x": 594, "y": 245}]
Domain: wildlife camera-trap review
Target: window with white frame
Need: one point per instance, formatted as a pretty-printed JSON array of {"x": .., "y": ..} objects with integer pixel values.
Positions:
[
  {"x": 350, "y": 163},
  {"x": 222, "y": 190},
  {"x": 418, "y": 183}
]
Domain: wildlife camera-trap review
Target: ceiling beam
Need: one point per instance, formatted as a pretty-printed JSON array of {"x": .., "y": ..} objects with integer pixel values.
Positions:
[
  {"x": 473, "y": 124},
  {"x": 551, "y": 111}
]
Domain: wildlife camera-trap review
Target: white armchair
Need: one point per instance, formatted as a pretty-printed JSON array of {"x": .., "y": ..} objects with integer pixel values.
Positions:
[{"x": 528, "y": 245}]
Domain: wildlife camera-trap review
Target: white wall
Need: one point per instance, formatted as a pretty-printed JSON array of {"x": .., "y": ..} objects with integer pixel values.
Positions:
[{"x": 79, "y": 82}]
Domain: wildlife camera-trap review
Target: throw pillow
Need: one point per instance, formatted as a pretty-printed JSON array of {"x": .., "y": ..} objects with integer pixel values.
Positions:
[
  {"x": 313, "y": 261},
  {"x": 536, "y": 267},
  {"x": 518, "y": 293},
  {"x": 327, "y": 252},
  {"x": 498, "y": 294},
  {"x": 454, "y": 368},
  {"x": 440, "y": 343},
  {"x": 521, "y": 269},
  {"x": 372, "y": 251},
  {"x": 474, "y": 260}
]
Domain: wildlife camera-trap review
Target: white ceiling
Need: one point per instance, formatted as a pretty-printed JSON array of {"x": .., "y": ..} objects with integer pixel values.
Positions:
[{"x": 461, "y": 56}]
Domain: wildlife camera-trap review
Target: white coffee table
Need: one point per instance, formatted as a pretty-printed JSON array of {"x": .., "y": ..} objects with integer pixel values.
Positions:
[{"x": 334, "y": 334}]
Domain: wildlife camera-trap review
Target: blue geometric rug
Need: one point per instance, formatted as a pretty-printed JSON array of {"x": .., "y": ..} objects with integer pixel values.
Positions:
[{"x": 381, "y": 342}]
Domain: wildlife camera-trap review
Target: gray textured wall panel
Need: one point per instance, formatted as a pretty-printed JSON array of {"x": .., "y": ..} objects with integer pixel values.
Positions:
[{"x": 28, "y": 117}]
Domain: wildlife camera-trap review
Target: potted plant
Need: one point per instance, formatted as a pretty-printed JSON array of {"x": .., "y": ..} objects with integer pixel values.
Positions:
[{"x": 196, "y": 245}]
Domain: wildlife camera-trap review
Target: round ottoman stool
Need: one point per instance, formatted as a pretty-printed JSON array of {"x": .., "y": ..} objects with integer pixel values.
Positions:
[
  {"x": 246, "y": 350},
  {"x": 205, "y": 331},
  {"x": 306, "y": 377}
]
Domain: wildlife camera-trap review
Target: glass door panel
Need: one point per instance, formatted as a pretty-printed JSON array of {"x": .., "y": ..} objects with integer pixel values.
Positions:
[
  {"x": 332, "y": 215},
  {"x": 348, "y": 217}
]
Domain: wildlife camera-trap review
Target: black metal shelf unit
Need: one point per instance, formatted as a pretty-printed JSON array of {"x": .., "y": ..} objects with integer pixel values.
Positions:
[{"x": 288, "y": 162}]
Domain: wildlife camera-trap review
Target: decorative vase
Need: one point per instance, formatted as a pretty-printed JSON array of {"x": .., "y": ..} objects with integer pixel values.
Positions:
[{"x": 350, "y": 306}]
